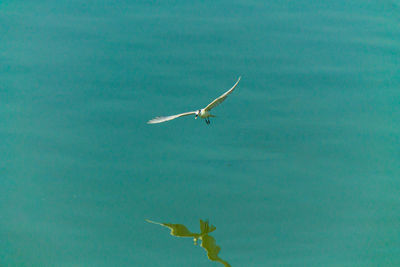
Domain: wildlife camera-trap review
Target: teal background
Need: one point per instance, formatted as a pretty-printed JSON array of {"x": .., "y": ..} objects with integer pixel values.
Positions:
[{"x": 300, "y": 168}]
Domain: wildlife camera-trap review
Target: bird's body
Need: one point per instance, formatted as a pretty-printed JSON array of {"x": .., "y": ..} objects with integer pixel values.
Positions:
[{"x": 203, "y": 113}]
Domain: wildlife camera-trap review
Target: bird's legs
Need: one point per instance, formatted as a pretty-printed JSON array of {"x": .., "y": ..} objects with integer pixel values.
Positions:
[{"x": 207, "y": 121}]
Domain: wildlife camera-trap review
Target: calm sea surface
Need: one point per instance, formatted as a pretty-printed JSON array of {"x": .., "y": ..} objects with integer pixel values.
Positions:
[{"x": 301, "y": 166}]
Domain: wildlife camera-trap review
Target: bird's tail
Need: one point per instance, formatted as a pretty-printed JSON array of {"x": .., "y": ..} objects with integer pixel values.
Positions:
[{"x": 213, "y": 116}]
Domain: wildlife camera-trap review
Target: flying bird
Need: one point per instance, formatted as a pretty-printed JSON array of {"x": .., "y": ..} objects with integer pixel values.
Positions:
[
  {"x": 207, "y": 241},
  {"x": 203, "y": 113}
]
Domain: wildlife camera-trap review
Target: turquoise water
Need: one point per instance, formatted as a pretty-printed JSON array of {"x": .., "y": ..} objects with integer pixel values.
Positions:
[{"x": 301, "y": 166}]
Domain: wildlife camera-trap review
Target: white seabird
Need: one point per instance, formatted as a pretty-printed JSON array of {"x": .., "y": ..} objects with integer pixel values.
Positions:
[{"x": 202, "y": 113}]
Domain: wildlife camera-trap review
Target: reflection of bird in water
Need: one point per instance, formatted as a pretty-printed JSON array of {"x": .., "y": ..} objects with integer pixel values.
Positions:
[{"x": 207, "y": 241}]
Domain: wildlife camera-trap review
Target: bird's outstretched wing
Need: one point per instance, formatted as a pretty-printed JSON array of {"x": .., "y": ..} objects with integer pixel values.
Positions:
[
  {"x": 220, "y": 99},
  {"x": 178, "y": 230},
  {"x": 168, "y": 118},
  {"x": 208, "y": 243}
]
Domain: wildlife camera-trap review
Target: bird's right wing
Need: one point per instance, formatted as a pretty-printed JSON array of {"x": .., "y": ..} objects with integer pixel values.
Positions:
[
  {"x": 208, "y": 243},
  {"x": 168, "y": 118},
  {"x": 221, "y": 98}
]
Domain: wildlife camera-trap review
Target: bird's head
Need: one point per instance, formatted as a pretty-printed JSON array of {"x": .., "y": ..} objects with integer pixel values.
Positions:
[{"x": 197, "y": 113}]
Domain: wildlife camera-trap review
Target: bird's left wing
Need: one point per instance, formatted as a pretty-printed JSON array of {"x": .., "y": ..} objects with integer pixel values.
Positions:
[
  {"x": 168, "y": 118},
  {"x": 220, "y": 99},
  {"x": 176, "y": 229},
  {"x": 162, "y": 224}
]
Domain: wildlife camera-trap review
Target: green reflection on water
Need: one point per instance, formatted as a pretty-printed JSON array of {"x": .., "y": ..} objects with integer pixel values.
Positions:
[{"x": 207, "y": 241}]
